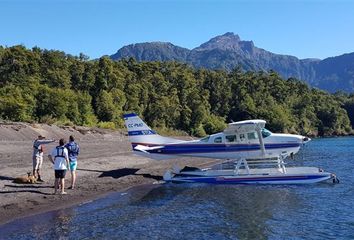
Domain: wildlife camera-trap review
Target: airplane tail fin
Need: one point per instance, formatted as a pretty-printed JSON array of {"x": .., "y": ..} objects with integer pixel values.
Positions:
[{"x": 140, "y": 133}]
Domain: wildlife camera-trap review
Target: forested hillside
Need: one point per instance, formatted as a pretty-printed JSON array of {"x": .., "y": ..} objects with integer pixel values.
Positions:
[{"x": 50, "y": 86}]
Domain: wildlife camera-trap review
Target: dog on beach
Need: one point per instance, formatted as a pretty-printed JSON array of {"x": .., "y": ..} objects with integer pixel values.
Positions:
[{"x": 26, "y": 179}]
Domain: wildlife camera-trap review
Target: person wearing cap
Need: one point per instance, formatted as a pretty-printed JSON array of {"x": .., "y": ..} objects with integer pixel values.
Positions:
[
  {"x": 37, "y": 156},
  {"x": 60, "y": 158}
]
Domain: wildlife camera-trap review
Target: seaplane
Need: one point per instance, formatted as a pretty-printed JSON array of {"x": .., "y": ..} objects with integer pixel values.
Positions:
[{"x": 251, "y": 153}]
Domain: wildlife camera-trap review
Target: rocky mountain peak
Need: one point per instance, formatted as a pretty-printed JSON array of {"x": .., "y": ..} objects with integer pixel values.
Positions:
[
  {"x": 229, "y": 42},
  {"x": 226, "y": 41}
]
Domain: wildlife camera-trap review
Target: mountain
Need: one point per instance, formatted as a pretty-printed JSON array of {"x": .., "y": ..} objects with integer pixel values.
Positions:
[
  {"x": 335, "y": 73},
  {"x": 229, "y": 51},
  {"x": 154, "y": 51}
]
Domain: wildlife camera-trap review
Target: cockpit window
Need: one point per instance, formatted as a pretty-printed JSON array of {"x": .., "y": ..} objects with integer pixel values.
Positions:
[
  {"x": 206, "y": 139},
  {"x": 218, "y": 140},
  {"x": 252, "y": 136},
  {"x": 266, "y": 133}
]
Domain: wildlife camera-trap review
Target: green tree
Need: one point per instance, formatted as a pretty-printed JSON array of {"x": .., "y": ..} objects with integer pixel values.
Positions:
[{"x": 105, "y": 108}]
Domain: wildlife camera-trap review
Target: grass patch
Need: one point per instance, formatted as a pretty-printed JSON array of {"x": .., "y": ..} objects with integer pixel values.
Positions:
[{"x": 107, "y": 125}]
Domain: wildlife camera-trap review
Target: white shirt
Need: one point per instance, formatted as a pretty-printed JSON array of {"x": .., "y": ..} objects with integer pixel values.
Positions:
[{"x": 59, "y": 161}]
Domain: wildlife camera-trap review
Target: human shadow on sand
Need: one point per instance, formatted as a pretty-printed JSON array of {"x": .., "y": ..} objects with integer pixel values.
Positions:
[
  {"x": 122, "y": 172},
  {"x": 29, "y": 185},
  {"x": 29, "y": 191},
  {"x": 3, "y": 178}
]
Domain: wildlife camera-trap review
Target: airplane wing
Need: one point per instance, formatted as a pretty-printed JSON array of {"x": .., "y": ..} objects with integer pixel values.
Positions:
[
  {"x": 145, "y": 149},
  {"x": 244, "y": 126}
]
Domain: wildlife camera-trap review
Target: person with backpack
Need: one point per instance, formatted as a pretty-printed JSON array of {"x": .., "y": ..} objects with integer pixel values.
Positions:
[
  {"x": 73, "y": 150},
  {"x": 60, "y": 158},
  {"x": 37, "y": 156}
]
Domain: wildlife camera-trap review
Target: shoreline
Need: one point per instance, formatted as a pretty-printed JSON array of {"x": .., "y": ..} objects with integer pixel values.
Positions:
[
  {"x": 64, "y": 205},
  {"x": 106, "y": 164},
  {"x": 34, "y": 204},
  {"x": 93, "y": 188}
]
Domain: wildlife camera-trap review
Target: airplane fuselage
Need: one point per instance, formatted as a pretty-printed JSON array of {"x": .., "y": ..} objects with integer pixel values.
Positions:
[
  {"x": 245, "y": 139},
  {"x": 218, "y": 146}
]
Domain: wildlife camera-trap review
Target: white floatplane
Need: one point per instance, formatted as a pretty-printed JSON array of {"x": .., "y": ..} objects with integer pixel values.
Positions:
[{"x": 256, "y": 154}]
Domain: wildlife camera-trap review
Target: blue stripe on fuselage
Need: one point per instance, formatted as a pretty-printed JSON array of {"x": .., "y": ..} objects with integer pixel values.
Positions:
[
  {"x": 206, "y": 148},
  {"x": 141, "y": 132}
]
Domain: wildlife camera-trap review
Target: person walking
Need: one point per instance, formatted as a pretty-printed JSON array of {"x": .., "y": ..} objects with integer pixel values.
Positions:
[
  {"x": 60, "y": 158},
  {"x": 74, "y": 150},
  {"x": 37, "y": 156}
]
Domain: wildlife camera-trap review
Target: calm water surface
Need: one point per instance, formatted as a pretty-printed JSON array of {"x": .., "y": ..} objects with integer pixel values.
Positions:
[{"x": 198, "y": 211}]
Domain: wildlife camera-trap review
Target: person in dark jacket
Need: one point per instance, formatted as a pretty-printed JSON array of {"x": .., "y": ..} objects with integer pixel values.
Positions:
[{"x": 73, "y": 150}]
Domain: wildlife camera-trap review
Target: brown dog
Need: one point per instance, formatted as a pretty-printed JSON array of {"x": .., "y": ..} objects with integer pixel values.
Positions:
[{"x": 26, "y": 179}]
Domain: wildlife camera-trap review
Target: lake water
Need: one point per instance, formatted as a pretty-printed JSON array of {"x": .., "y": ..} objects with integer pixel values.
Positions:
[{"x": 200, "y": 211}]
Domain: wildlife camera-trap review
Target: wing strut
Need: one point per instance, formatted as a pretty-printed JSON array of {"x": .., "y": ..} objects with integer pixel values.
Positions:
[{"x": 260, "y": 137}]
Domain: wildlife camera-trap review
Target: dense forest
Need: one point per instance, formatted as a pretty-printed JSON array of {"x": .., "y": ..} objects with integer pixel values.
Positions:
[{"x": 53, "y": 87}]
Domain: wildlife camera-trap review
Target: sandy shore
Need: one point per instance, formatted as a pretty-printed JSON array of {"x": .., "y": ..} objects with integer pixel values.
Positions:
[{"x": 106, "y": 164}]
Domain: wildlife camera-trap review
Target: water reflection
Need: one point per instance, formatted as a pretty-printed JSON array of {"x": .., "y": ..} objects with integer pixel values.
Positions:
[
  {"x": 62, "y": 220},
  {"x": 51, "y": 225},
  {"x": 253, "y": 208},
  {"x": 227, "y": 211}
]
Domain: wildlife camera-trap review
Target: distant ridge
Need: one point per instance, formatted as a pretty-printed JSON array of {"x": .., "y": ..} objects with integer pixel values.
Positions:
[
  {"x": 228, "y": 51},
  {"x": 153, "y": 51}
]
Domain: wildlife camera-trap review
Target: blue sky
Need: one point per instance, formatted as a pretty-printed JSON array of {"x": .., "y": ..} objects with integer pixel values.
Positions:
[{"x": 311, "y": 28}]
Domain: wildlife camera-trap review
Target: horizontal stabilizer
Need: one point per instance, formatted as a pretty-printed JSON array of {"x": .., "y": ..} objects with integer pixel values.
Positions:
[{"x": 145, "y": 149}]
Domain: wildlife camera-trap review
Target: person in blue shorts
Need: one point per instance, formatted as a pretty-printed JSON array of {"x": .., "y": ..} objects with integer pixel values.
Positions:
[{"x": 73, "y": 150}]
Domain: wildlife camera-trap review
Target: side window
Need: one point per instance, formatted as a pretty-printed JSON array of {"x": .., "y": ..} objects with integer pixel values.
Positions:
[
  {"x": 230, "y": 138},
  {"x": 251, "y": 136},
  {"x": 218, "y": 140},
  {"x": 242, "y": 137}
]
